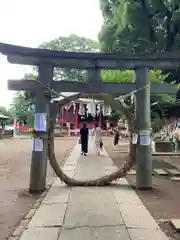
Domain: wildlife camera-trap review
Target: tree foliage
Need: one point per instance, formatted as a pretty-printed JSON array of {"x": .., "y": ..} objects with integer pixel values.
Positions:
[
  {"x": 127, "y": 76},
  {"x": 71, "y": 43},
  {"x": 22, "y": 104},
  {"x": 141, "y": 26}
]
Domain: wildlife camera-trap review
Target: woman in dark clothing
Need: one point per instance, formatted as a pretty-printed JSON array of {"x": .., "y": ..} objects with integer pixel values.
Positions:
[
  {"x": 116, "y": 138},
  {"x": 84, "y": 132}
]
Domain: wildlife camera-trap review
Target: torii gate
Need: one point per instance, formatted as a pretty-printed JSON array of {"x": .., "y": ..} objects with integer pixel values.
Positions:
[{"x": 46, "y": 60}]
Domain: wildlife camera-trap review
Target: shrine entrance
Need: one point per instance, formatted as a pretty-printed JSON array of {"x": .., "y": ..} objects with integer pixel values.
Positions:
[
  {"x": 74, "y": 113},
  {"x": 43, "y": 87}
]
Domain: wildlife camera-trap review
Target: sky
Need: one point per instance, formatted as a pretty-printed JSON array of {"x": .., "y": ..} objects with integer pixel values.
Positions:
[{"x": 31, "y": 22}]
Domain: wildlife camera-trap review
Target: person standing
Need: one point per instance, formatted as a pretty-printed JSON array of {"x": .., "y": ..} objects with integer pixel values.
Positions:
[
  {"x": 84, "y": 135},
  {"x": 116, "y": 137},
  {"x": 97, "y": 138},
  {"x": 177, "y": 139}
]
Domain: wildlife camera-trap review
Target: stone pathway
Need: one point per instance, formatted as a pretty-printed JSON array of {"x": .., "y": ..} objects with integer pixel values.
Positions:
[{"x": 92, "y": 213}]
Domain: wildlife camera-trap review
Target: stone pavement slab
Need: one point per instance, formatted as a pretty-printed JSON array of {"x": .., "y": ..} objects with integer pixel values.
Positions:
[
  {"x": 110, "y": 168},
  {"x": 113, "y": 212},
  {"x": 114, "y": 232},
  {"x": 175, "y": 223},
  {"x": 175, "y": 178},
  {"x": 173, "y": 172},
  {"x": 83, "y": 233},
  {"x": 90, "y": 195},
  {"x": 94, "y": 212},
  {"x": 137, "y": 216},
  {"x": 160, "y": 172},
  {"x": 54, "y": 196},
  {"x": 74, "y": 156},
  {"x": 87, "y": 233},
  {"x": 122, "y": 181},
  {"x": 147, "y": 234},
  {"x": 49, "y": 215},
  {"x": 132, "y": 172},
  {"x": 126, "y": 195},
  {"x": 40, "y": 234},
  {"x": 92, "y": 216},
  {"x": 69, "y": 167}
]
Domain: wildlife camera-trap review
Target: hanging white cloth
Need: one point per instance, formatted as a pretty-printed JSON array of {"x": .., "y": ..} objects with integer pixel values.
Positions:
[
  {"x": 88, "y": 108},
  {"x": 98, "y": 109},
  {"x": 96, "y": 139},
  {"x": 103, "y": 109},
  {"x": 81, "y": 109},
  {"x": 68, "y": 106},
  {"x": 69, "y": 129},
  {"x": 153, "y": 146},
  {"x": 93, "y": 109},
  {"x": 108, "y": 125},
  {"x": 74, "y": 107},
  {"x": 107, "y": 111}
]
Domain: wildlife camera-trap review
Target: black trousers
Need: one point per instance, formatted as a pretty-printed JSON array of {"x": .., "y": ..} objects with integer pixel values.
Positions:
[{"x": 84, "y": 146}]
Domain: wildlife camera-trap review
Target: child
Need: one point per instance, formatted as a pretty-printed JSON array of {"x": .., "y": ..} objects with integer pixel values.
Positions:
[
  {"x": 101, "y": 145},
  {"x": 97, "y": 138}
]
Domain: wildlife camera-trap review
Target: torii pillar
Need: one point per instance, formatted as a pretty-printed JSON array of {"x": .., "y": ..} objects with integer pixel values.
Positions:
[
  {"x": 39, "y": 153},
  {"x": 143, "y": 127}
]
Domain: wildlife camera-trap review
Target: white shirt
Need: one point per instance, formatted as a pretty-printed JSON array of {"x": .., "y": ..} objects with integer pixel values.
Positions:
[{"x": 98, "y": 134}]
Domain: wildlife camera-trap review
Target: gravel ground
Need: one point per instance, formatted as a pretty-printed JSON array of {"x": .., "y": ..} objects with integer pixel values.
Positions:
[
  {"x": 163, "y": 200},
  {"x": 15, "y": 201}
]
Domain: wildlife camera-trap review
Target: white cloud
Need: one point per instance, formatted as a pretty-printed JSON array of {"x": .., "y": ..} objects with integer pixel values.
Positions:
[{"x": 30, "y": 22}]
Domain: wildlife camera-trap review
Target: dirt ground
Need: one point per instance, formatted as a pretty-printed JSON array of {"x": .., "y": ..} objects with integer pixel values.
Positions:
[
  {"x": 163, "y": 201},
  {"x": 14, "y": 177}
]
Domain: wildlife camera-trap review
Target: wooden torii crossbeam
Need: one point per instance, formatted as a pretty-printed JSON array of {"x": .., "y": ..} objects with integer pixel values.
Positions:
[
  {"x": 79, "y": 60},
  {"x": 72, "y": 86},
  {"x": 46, "y": 60}
]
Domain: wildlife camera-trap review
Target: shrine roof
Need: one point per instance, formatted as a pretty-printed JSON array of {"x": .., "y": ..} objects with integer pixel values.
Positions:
[
  {"x": 88, "y": 100},
  {"x": 81, "y": 98},
  {"x": 66, "y": 95},
  {"x": 3, "y": 116}
]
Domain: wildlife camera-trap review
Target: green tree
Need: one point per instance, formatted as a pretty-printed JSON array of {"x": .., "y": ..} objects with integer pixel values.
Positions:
[
  {"x": 127, "y": 76},
  {"x": 71, "y": 43},
  {"x": 140, "y": 26},
  {"x": 22, "y": 104}
]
